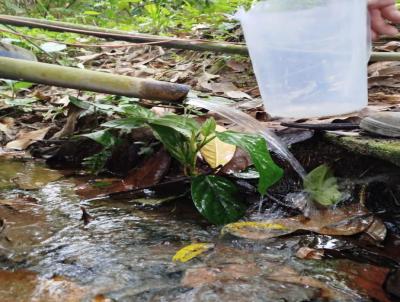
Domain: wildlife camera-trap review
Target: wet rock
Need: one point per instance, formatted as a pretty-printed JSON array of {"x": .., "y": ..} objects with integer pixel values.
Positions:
[
  {"x": 385, "y": 149},
  {"x": 383, "y": 123},
  {"x": 392, "y": 285},
  {"x": 28, "y": 286},
  {"x": 254, "y": 290}
]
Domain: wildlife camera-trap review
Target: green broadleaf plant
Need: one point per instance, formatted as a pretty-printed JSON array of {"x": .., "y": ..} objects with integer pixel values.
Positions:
[
  {"x": 322, "y": 186},
  {"x": 215, "y": 197},
  {"x": 256, "y": 146}
]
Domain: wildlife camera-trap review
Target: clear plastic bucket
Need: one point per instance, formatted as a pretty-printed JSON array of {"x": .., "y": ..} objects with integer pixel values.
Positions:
[{"x": 309, "y": 56}]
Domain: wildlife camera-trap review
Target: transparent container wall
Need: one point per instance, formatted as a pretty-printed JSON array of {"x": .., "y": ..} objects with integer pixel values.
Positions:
[{"x": 309, "y": 57}]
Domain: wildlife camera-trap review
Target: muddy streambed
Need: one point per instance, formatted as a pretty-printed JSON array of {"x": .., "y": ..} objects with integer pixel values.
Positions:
[{"x": 47, "y": 253}]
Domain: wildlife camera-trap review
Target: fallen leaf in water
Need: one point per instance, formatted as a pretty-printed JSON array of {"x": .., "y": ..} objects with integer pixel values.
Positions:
[
  {"x": 253, "y": 229},
  {"x": 287, "y": 274},
  {"x": 309, "y": 254},
  {"x": 192, "y": 251},
  {"x": 25, "y": 224},
  {"x": 196, "y": 277},
  {"x": 25, "y": 139},
  {"x": 377, "y": 230},
  {"x": 251, "y": 272},
  {"x": 217, "y": 153},
  {"x": 150, "y": 172},
  {"x": 367, "y": 278},
  {"x": 336, "y": 222},
  {"x": 23, "y": 285}
]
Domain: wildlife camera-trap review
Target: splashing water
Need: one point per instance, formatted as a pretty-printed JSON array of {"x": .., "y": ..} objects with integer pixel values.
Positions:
[{"x": 246, "y": 121}]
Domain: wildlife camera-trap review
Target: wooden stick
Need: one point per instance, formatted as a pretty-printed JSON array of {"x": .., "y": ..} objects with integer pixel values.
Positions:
[
  {"x": 198, "y": 45},
  {"x": 186, "y": 44},
  {"x": 385, "y": 56},
  {"x": 68, "y": 77}
]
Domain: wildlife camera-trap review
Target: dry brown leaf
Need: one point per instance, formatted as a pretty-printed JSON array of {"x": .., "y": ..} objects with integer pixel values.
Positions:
[
  {"x": 150, "y": 172},
  {"x": 380, "y": 97},
  {"x": 383, "y": 68},
  {"x": 308, "y": 253},
  {"x": 220, "y": 87},
  {"x": 72, "y": 119},
  {"x": 391, "y": 81},
  {"x": 377, "y": 230},
  {"x": 367, "y": 278},
  {"x": 205, "y": 78},
  {"x": 24, "y": 140},
  {"x": 6, "y": 126},
  {"x": 390, "y": 46},
  {"x": 237, "y": 94},
  {"x": 241, "y": 161},
  {"x": 335, "y": 222},
  {"x": 236, "y": 66}
]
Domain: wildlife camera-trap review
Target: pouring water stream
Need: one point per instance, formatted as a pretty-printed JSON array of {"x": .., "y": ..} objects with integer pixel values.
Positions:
[{"x": 250, "y": 123}]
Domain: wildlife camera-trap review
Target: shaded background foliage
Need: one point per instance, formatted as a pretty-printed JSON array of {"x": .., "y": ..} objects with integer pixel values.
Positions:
[{"x": 145, "y": 15}]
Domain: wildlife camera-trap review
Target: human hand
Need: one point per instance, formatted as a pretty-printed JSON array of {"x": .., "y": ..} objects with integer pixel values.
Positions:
[{"x": 380, "y": 11}]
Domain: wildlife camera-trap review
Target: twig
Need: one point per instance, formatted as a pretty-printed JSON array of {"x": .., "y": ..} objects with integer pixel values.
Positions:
[
  {"x": 186, "y": 44},
  {"x": 80, "y": 45}
]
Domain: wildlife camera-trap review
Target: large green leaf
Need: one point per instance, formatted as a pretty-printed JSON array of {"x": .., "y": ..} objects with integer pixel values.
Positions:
[
  {"x": 135, "y": 110},
  {"x": 173, "y": 141},
  {"x": 322, "y": 186},
  {"x": 103, "y": 137},
  {"x": 256, "y": 146},
  {"x": 184, "y": 125},
  {"x": 208, "y": 127},
  {"x": 126, "y": 123},
  {"x": 217, "y": 199}
]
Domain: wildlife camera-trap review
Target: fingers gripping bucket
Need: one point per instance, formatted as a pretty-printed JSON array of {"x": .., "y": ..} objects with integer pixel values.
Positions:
[{"x": 309, "y": 57}]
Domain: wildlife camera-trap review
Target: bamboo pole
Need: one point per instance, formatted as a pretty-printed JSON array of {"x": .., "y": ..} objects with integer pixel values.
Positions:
[
  {"x": 186, "y": 44},
  {"x": 168, "y": 42},
  {"x": 385, "y": 56},
  {"x": 68, "y": 77}
]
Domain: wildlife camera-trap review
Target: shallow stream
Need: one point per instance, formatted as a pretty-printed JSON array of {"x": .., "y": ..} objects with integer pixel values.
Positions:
[{"x": 124, "y": 253}]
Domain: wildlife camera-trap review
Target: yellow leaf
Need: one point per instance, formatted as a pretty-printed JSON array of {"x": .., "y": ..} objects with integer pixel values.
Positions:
[
  {"x": 256, "y": 230},
  {"x": 192, "y": 251},
  {"x": 217, "y": 153}
]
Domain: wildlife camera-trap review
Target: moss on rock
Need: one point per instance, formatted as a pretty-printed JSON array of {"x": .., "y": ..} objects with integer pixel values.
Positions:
[{"x": 386, "y": 149}]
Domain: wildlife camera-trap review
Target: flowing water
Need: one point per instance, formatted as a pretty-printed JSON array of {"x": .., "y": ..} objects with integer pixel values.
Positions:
[
  {"x": 251, "y": 124},
  {"x": 47, "y": 253}
]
